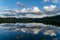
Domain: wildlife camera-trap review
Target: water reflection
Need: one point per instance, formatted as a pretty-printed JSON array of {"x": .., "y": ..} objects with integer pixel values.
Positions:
[{"x": 28, "y": 31}]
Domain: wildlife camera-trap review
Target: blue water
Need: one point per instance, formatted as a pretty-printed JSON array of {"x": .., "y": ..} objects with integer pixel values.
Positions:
[{"x": 16, "y": 32}]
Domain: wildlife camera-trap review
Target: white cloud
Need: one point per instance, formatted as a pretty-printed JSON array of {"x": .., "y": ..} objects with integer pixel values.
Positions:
[
  {"x": 28, "y": 10},
  {"x": 34, "y": 16},
  {"x": 17, "y": 13},
  {"x": 54, "y": 1},
  {"x": 24, "y": 10},
  {"x": 45, "y": 0},
  {"x": 49, "y": 8},
  {"x": 50, "y": 32},
  {"x": 20, "y": 4},
  {"x": 36, "y": 9}
]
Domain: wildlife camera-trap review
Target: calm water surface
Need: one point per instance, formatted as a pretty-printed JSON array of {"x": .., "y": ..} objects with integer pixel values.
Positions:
[{"x": 28, "y": 31}]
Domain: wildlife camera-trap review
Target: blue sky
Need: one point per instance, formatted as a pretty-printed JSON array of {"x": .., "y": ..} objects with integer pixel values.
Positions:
[
  {"x": 46, "y": 7},
  {"x": 28, "y": 3}
]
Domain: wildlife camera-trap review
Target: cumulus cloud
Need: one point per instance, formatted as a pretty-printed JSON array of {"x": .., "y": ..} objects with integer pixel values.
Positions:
[
  {"x": 28, "y": 10},
  {"x": 24, "y": 10},
  {"x": 35, "y": 16},
  {"x": 36, "y": 9},
  {"x": 33, "y": 12},
  {"x": 49, "y": 8}
]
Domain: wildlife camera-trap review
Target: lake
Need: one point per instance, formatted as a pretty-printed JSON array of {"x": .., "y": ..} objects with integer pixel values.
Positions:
[{"x": 29, "y": 31}]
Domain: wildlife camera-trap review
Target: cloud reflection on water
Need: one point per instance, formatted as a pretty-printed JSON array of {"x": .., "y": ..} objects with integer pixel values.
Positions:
[{"x": 34, "y": 28}]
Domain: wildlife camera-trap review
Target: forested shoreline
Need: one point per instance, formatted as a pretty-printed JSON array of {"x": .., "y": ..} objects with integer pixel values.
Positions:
[{"x": 54, "y": 20}]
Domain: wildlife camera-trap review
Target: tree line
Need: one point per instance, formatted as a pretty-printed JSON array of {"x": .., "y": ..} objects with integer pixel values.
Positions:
[{"x": 54, "y": 20}]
